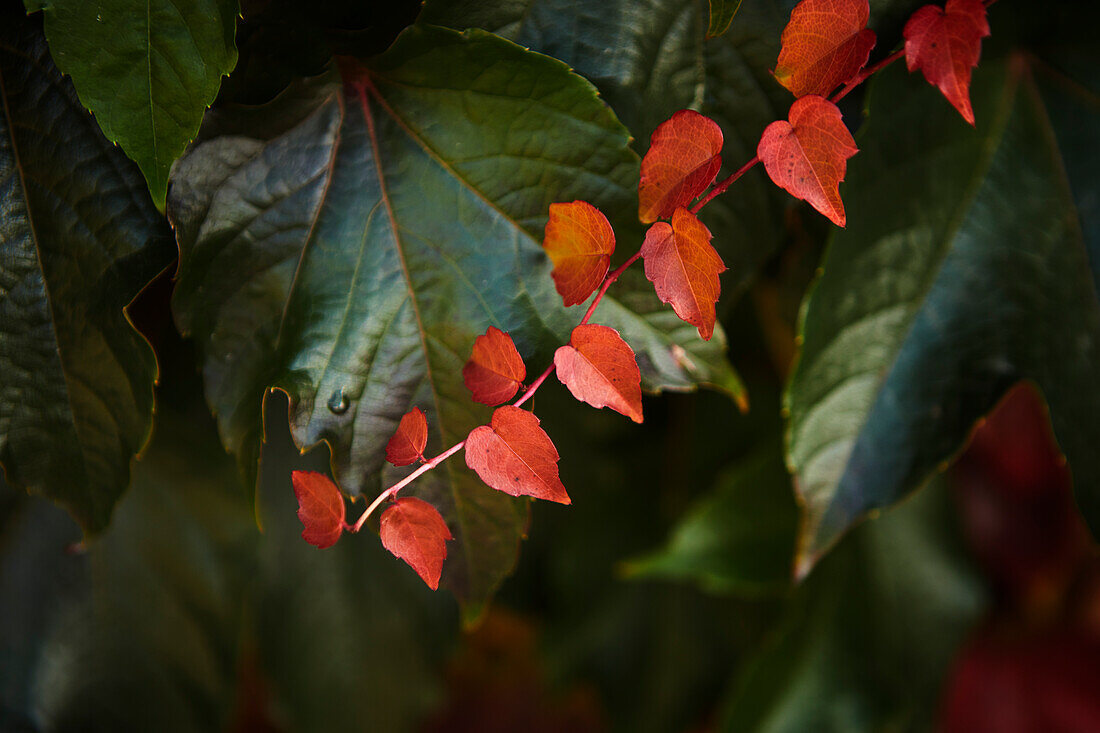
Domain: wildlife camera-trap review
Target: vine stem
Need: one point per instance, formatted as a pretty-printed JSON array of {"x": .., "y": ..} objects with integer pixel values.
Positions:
[{"x": 392, "y": 491}]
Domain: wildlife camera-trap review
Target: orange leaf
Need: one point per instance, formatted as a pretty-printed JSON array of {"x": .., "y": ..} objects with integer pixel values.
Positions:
[
  {"x": 599, "y": 368},
  {"x": 415, "y": 532},
  {"x": 407, "y": 444},
  {"x": 944, "y": 44},
  {"x": 320, "y": 508},
  {"x": 825, "y": 43},
  {"x": 495, "y": 369},
  {"x": 579, "y": 241},
  {"x": 514, "y": 455},
  {"x": 683, "y": 267},
  {"x": 808, "y": 156},
  {"x": 683, "y": 159}
]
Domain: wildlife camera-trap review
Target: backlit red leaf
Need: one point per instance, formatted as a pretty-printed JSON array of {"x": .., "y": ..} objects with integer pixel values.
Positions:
[
  {"x": 825, "y": 43},
  {"x": 683, "y": 159},
  {"x": 684, "y": 268},
  {"x": 579, "y": 241},
  {"x": 495, "y": 369},
  {"x": 320, "y": 508},
  {"x": 407, "y": 444},
  {"x": 414, "y": 531},
  {"x": 599, "y": 368},
  {"x": 514, "y": 455},
  {"x": 945, "y": 44},
  {"x": 808, "y": 156}
]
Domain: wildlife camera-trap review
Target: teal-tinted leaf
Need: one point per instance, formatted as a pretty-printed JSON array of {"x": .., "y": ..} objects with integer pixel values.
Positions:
[
  {"x": 147, "y": 69},
  {"x": 721, "y": 15},
  {"x": 78, "y": 240}
]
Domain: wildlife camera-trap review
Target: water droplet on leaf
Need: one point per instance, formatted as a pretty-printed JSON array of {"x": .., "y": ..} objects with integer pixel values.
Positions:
[{"x": 338, "y": 402}]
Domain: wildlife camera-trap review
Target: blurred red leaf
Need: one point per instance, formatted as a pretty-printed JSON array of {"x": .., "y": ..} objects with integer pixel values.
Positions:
[
  {"x": 599, "y": 368},
  {"x": 320, "y": 508},
  {"x": 808, "y": 156},
  {"x": 684, "y": 268},
  {"x": 495, "y": 369},
  {"x": 683, "y": 159},
  {"x": 825, "y": 43},
  {"x": 945, "y": 43},
  {"x": 514, "y": 455},
  {"x": 407, "y": 444},
  {"x": 579, "y": 241},
  {"x": 414, "y": 531}
]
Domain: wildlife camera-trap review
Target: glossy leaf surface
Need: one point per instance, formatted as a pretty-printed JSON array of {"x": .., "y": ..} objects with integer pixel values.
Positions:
[
  {"x": 514, "y": 455},
  {"x": 495, "y": 369},
  {"x": 599, "y": 368},
  {"x": 415, "y": 532},
  {"x": 682, "y": 161},
  {"x": 945, "y": 43},
  {"x": 320, "y": 508},
  {"x": 824, "y": 45},
  {"x": 407, "y": 444},
  {"x": 579, "y": 241}
]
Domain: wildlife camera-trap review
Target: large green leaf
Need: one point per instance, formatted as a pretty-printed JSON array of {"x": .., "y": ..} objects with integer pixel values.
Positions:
[
  {"x": 347, "y": 244},
  {"x": 147, "y": 69},
  {"x": 963, "y": 269},
  {"x": 78, "y": 240}
]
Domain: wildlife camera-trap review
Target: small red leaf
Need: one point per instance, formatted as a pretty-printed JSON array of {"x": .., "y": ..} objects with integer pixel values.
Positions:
[
  {"x": 407, "y": 444},
  {"x": 825, "y": 43},
  {"x": 599, "y": 368},
  {"x": 683, "y": 159},
  {"x": 415, "y": 532},
  {"x": 945, "y": 44},
  {"x": 495, "y": 369},
  {"x": 514, "y": 455},
  {"x": 579, "y": 241},
  {"x": 320, "y": 508},
  {"x": 684, "y": 268},
  {"x": 808, "y": 156}
]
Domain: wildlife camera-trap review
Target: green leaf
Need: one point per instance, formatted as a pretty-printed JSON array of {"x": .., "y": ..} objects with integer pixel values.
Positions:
[
  {"x": 147, "y": 69},
  {"x": 963, "y": 270},
  {"x": 721, "y": 15},
  {"x": 78, "y": 240}
]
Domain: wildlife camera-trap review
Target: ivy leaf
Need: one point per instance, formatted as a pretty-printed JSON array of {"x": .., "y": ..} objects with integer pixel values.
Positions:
[
  {"x": 684, "y": 269},
  {"x": 683, "y": 159},
  {"x": 580, "y": 242},
  {"x": 407, "y": 444},
  {"x": 824, "y": 45},
  {"x": 944, "y": 43},
  {"x": 78, "y": 240},
  {"x": 599, "y": 368},
  {"x": 320, "y": 508},
  {"x": 495, "y": 369},
  {"x": 721, "y": 15},
  {"x": 415, "y": 532},
  {"x": 808, "y": 155},
  {"x": 514, "y": 455}
]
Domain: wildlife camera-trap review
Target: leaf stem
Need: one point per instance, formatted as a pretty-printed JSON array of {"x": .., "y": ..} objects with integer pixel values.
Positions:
[
  {"x": 392, "y": 491},
  {"x": 866, "y": 74},
  {"x": 720, "y": 188},
  {"x": 607, "y": 283}
]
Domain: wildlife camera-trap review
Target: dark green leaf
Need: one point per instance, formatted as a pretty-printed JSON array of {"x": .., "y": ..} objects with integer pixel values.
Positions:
[{"x": 721, "y": 15}]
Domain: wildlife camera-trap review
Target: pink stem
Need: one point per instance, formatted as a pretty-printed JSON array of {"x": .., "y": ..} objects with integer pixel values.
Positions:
[{"x": 392, "y": 491}]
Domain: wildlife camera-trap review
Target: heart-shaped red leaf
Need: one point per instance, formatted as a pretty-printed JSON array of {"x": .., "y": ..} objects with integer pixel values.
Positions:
[
  {"x": 320, "y": 508},
  {"x": 514, "y": 455},
  {"x": 579, "y": 241},
  {"x": 683, "y": 159},
  {"x": 407, "y": 444},
  {"x": 808, "y": 156},
  {"x": 825, "y": 43},
  {"x": 495, "y": 369},
  {"x": 945, "y": 44},
  {"x": 599, "y": 368},
  {"x": 414, "y": 531},
  {"x": 684, "y": 268}
]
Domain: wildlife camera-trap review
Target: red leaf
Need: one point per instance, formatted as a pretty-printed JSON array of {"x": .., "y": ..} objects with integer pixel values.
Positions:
[
  {"x": 944, "y": 45},
  {"x": 809, "y": 155},
  {"x": 320, "y": 508},
  {"x": 683, "y": 267},
  {"x": 579, "y": 241},
  {"x": 599, "y": 368},
  {"x": 407, "y": 444},
  {"x": 495, "y": 369},
  {"x": 825, "y": 43},
  {"x": 415, "y": 532},
  {"x": 683, "y": 159},
  {"x": 514, "y": 455}
]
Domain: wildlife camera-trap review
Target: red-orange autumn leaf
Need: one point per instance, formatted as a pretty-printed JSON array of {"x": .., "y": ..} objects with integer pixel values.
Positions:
[
  {"x": 407, "y": 444},
  {"x": 599, "y": 368},
  {"x": 945, "y": 44},
  {"x": 495, "y": 369},
  {"x": 514, "y": 455},
  {"x": 415, "y": 532},
  {"x": 825, "y": 43},
  {"x": 808, "y": 155},
  {"x": 579, "y": 241},
  {"x": 683, "y": 159},
  {"x": 320, "y": 508},
  {"x": 684, "y": 268}
]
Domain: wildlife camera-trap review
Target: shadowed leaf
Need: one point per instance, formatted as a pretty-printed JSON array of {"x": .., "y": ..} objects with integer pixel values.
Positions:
[{"x": 944, "y": 43}]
